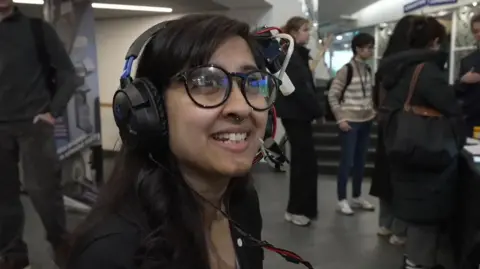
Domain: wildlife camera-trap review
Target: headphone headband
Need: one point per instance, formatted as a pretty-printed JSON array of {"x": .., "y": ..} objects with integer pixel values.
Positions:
[
  {"x": 134, "y": 51},
  {"x": 143, "y": 39}
]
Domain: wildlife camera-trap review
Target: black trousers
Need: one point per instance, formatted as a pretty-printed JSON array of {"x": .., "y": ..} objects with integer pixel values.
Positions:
[
  {"x": 34, "y": 146},
  {"x": 303, "y": 168}
]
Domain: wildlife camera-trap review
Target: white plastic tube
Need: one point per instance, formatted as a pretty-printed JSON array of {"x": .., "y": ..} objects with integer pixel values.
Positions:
[{"x": 291, "y": 47}]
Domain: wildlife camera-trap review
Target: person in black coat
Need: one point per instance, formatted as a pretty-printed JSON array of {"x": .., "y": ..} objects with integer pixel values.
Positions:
[
  {"x": 421, "y": 197},
  {"x": 297, "y": 111},
  {"x": 389, "y": 226}
]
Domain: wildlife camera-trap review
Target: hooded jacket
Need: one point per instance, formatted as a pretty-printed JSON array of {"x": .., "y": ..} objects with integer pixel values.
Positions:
[
  {"x": 432, "y": 89},
  {"x": 419, "y": 195}
]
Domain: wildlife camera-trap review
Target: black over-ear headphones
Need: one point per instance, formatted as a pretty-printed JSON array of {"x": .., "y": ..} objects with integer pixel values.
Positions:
[{"x": 138, "y": 107}]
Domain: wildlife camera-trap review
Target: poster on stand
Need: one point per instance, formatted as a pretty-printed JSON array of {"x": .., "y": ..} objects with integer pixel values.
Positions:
[{"x": 77, "y": 132}]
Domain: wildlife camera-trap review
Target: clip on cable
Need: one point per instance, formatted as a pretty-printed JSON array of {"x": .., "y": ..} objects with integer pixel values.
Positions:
[{"x": 288, "y": 255}]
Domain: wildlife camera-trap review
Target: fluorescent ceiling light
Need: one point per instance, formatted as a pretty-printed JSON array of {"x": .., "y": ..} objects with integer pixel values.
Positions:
[
  {"x": 131, "y": 7},
  {"x": 109, "y": 6}
]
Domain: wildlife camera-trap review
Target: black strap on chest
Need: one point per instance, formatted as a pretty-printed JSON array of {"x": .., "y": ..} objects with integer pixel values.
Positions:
[{"x": 36, "y": 26}]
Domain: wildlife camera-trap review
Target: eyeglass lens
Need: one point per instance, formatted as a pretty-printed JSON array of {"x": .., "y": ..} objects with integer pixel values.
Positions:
[{"x": 211, "y": 86}]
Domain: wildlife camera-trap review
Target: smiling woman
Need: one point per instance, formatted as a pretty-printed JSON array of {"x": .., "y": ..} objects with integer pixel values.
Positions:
[{"x": 190, "y": 122}]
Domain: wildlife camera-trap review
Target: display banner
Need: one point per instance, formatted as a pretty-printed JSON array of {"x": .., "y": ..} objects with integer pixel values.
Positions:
[
  {"x": 77, "y": 132},
  {"x": 415, "y": 5},
  {"x": 418, "y": 4},
  {"x": 441, "y": 2}
]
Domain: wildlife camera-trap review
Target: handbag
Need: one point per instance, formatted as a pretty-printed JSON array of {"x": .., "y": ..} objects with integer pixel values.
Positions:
[{"x": 420, "y": 136}]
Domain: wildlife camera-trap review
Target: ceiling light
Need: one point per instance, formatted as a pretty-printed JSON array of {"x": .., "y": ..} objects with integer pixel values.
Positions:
[
  {"x": 131, "y": 7},
  {"x": 108, "y": 6},
  {"x": 442, "y": 13},
  {"x": 339, "y": 37},
  {"x": 29, "y": 2},
  {"x": 474, "y": 4}
]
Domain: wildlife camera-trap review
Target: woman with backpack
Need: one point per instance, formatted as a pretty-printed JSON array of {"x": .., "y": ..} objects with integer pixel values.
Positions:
[{"x": 416, "y": 88}]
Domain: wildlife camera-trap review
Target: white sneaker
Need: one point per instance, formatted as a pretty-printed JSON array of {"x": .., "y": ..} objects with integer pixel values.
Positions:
[
  {"x": 298, "y": 220},
  {"x": 362, "y": 204},
  {"x": 344, "y": 208},
  {"x": 383, "y": 231},
  {"x": 397, "y": 240}
]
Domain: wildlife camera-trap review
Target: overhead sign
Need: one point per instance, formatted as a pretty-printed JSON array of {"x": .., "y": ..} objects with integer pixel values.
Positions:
[
  {"x": 441, "y": 2},
  {"x": 418, "y": 4},
  {"x": 412, "y": 6}
]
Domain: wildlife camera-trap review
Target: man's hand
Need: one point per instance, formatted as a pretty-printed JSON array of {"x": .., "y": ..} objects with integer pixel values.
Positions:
[
  {"x": 470, "y": 77},
  {"x": 46, "y": 117},
  {"x": 344, "y": 126}
]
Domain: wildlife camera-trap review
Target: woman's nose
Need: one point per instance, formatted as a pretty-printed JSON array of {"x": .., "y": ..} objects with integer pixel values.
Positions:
[{"x": 236, "y": 103}]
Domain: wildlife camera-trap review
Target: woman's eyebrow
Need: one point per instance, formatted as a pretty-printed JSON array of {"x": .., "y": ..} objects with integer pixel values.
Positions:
[{"x": 249, "y": 67}]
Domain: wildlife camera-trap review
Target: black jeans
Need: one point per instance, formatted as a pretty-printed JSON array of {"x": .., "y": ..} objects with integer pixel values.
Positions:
[
  {"x": 34, "y": 146},
  {"x": 303, "y": 168}
]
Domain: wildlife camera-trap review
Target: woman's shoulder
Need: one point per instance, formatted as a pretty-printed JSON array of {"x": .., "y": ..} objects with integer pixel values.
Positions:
[{"x": 111, "y": 244}]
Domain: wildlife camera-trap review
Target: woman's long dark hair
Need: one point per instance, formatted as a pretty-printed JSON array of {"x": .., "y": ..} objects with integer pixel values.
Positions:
[
  {"x": 410, "y": 32},
  {"x": 175, "y": 232},
  {"x": 415, "y": 32}
]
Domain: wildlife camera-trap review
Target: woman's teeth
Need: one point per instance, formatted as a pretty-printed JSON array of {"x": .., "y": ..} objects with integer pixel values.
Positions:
[{"x": 231, "y": 137}]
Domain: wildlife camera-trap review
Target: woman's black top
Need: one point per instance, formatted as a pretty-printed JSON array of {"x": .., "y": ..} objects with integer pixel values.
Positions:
[
  {"x": 303, "y": 103},
  {"x": 114, "y": 242}
]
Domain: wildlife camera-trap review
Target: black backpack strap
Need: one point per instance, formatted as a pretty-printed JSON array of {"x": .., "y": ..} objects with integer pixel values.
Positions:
[
  {"x": 347, "y": 82},
  {"x": 36, "y": 25}
]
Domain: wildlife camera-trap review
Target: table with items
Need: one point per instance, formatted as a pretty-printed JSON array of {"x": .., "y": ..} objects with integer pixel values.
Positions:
[{"x": 466, "y": 237}]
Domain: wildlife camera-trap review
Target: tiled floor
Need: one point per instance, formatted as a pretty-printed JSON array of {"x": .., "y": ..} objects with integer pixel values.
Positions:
[{"x": 333, "y": 242}]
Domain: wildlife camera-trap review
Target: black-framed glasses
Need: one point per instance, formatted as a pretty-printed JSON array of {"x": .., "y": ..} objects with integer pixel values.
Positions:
[{"x": 210, "y": 86}]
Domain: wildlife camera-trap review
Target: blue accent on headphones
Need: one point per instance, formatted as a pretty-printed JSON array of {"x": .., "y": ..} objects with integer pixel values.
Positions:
[
  {"x": 127, "y": 69},
  {"x": 118, "y": 112}
]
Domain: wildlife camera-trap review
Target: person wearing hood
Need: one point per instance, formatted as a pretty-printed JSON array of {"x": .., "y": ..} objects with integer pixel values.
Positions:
[
  {"x": 421, "y": 197},
  {"x": 389, "y": 226},
  {"x": 297, "y": 111}
]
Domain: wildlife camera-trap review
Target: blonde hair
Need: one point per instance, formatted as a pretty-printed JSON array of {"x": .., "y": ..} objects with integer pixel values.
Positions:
[{"x": 294, "y": 24}]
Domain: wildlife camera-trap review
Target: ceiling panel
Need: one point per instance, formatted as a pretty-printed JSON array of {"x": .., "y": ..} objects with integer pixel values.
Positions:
[
  {"x": 329, "y": 10},
  {"x": 333, "y": 15},
  {"x": 178, "y": 6}
]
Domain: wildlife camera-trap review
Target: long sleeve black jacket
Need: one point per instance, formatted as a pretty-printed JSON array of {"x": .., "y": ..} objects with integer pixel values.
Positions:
[
  {"x": 303, "y": 103},
  {"x": 23, "y": 87}
]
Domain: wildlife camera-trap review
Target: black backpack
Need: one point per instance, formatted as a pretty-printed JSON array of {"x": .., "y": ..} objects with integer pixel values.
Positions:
[{"x": 36, "y": 25}]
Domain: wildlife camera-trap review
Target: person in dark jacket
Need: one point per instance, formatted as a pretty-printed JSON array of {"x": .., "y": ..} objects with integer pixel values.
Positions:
[
  {"x": 29, "y": 106},
  {"x": 182, "y": 198},
  {"x": 468, "y": 84},
  {"x": 422, "y": 197},
  {"x": 389, "y": 226},
  {"x": 297, "y": 112}
]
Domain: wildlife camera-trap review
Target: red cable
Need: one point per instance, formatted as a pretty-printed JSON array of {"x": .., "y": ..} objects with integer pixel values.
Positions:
[
  {"x": 268, "y": 29},
  {"x": 259, "y": 155},
  {"x": 274, "y": 123}
]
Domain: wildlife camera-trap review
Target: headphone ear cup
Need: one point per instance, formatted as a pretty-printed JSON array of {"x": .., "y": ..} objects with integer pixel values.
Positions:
[
  {"x": 159, "y": 101},
  {"x": 139, "y": 114}
]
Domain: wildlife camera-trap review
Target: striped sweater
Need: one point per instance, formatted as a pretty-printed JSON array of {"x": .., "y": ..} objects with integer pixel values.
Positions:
[{"x": 357, "y": 106}]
